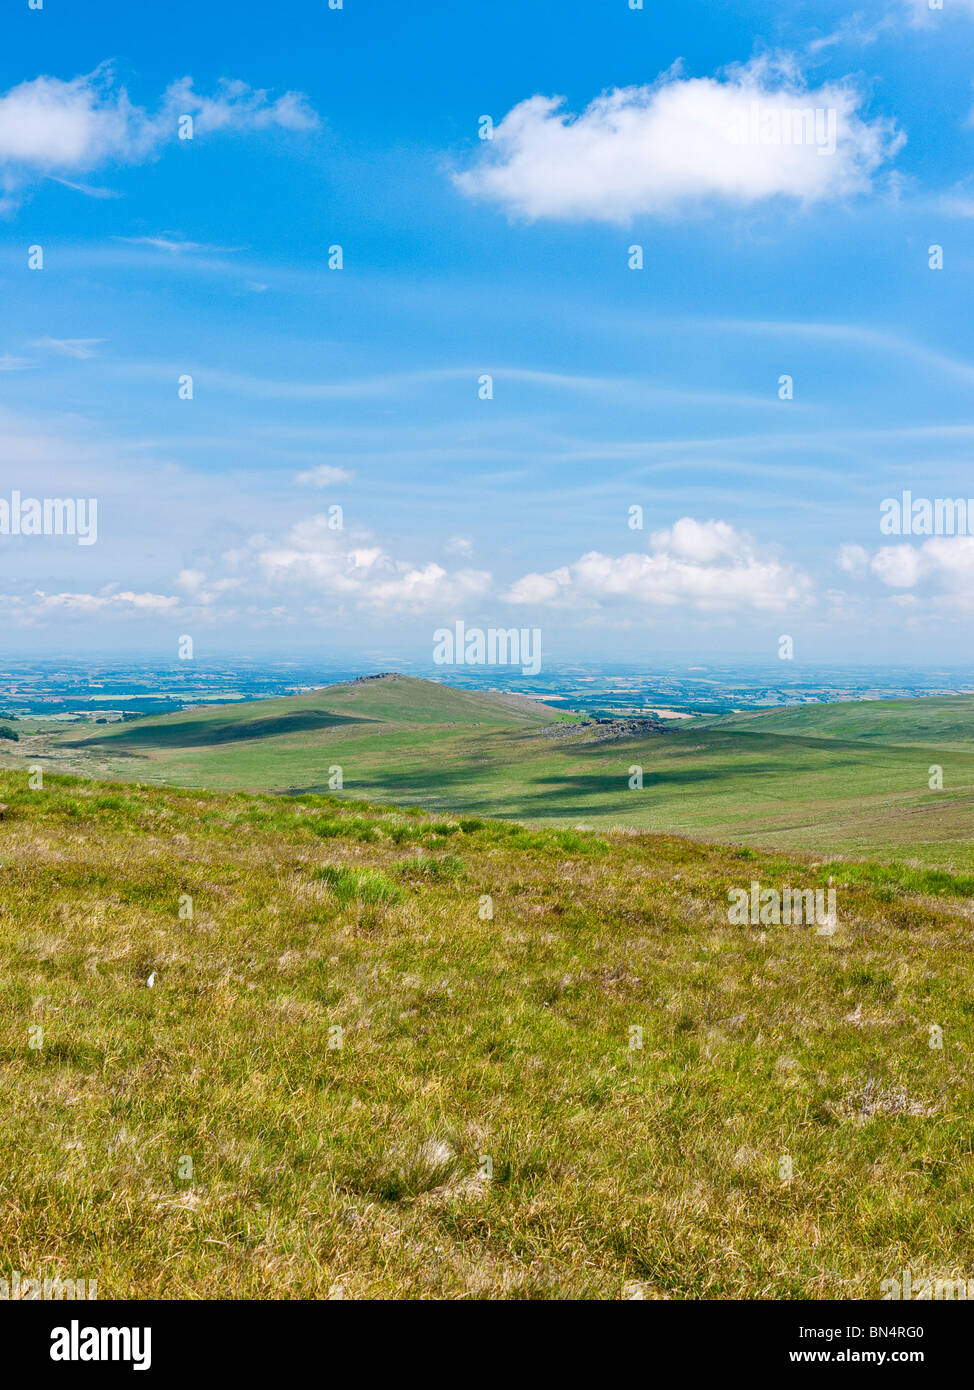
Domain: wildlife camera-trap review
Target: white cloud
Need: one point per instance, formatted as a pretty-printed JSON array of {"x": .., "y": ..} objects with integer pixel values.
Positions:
[
  {"x": 944, "y": 565},
  {"x": 951, "y": 559},
  {"x": 50, "y": 127},
  {"x": 80, "y": 348},
  {"x": 701, "y": 542},
  {"x": 707, "y": 566},
  {"x": 853, "y": 559},
  {"x": 959, "y": 203},
  {"x": 899, "y": 566},
  {"x": 669, "y": 146},
  {"x": 191, "y": 580},
  {"x": 92, "y": 603},
  {"x": 426, "y": 586},
  {"x": 324, "y": 475},
  {"x": 239, "y": 107},
  {"x": 323, "y": 561},
  {"x": 175, "y": 248},
  {"x": 89, "y": 190},
  {"x": 542, "y": 588},
  {"x": 945, "y": 559},
  {"x": 204, "y": 592},
  {"x": 459, "y": 545},
  {"x": 853, "y": 335}
]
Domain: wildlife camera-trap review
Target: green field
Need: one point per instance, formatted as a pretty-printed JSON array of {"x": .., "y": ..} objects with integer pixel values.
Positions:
[
  {"x": 283, "y": 1047},
  {"x": 846, "y": 778}
]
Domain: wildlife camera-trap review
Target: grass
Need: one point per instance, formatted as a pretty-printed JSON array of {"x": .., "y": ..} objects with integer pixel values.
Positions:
[
  {"x": 850, "y": 778},
  {"x": 408, "y": 1068},
  {"x": 357, "y": 885}
]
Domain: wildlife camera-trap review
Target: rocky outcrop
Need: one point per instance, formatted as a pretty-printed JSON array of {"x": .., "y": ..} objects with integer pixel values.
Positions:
[{"x": 603, "y": 730}]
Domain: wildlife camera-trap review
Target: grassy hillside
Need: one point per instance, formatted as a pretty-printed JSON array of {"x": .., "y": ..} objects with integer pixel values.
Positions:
[
  {"x": 486, "y": 1128},
  {"x": 946, "y": 722},
  {"x": 849, "y": 778}
]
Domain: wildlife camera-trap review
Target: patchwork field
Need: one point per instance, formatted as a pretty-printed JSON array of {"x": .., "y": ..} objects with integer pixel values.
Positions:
[
  {"x": 294, "y": 1047},
  {"x": 846, "y": 778}
]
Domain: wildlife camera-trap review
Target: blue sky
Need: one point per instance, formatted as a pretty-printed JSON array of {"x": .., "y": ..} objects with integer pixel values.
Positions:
[{"x": 613, "y": 388}]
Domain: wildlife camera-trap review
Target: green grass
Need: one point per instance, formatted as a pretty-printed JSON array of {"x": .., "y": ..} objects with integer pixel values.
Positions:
[
  {"x": 850, "y": 778},
  {"x": 945, "y": 721},
  {"x": 357, "y": 885},
  {"x": 355, "y": 1073}
]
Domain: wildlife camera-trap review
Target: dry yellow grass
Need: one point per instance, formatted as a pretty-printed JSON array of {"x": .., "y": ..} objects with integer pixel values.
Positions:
[{"x": 482, "y": 1125}]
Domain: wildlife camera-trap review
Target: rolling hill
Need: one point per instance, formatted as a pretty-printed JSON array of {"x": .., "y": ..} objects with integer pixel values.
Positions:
[
  {"x": 943, "y": 722},
  {"x": 848, "y": 779}
]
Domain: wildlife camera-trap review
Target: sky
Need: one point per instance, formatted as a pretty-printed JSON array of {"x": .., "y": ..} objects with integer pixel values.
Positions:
[{"x": 489, "y": 412}]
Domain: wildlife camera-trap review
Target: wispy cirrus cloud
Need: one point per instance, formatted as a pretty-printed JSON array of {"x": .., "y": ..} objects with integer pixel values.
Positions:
[
  {"x": 88, "y": 189},
  {"x": 174, "y": 246},
  {"x": 630, "y": 390},
  {"x": 80, "y": 348},
  {"x": 853, "y": 334}
]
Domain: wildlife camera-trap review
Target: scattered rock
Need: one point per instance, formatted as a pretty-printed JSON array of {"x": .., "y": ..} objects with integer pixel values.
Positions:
[{"x": 603, "y": 730}]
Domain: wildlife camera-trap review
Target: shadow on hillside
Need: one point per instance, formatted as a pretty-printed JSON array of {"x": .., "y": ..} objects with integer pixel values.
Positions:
[
  {"x": 491, "y": 790},
  {"x": 194, "y": 733}
]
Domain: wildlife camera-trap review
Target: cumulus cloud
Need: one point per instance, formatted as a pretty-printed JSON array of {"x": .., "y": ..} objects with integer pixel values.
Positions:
[
  {"x": 680, "y": 142},
  {"x": 946, "y": 562},
  {"x": 701, "y": 542},
  {"x": 553, "y": 587},
  {"x": 898, "y": 566},
  {"x": 707, "y": 566},
  {"x": 854, "y": 559},
  {"x": 51, "y": 128},
  {"x": 940, "y": 570},
  {"x": 323, "y": 561}
]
